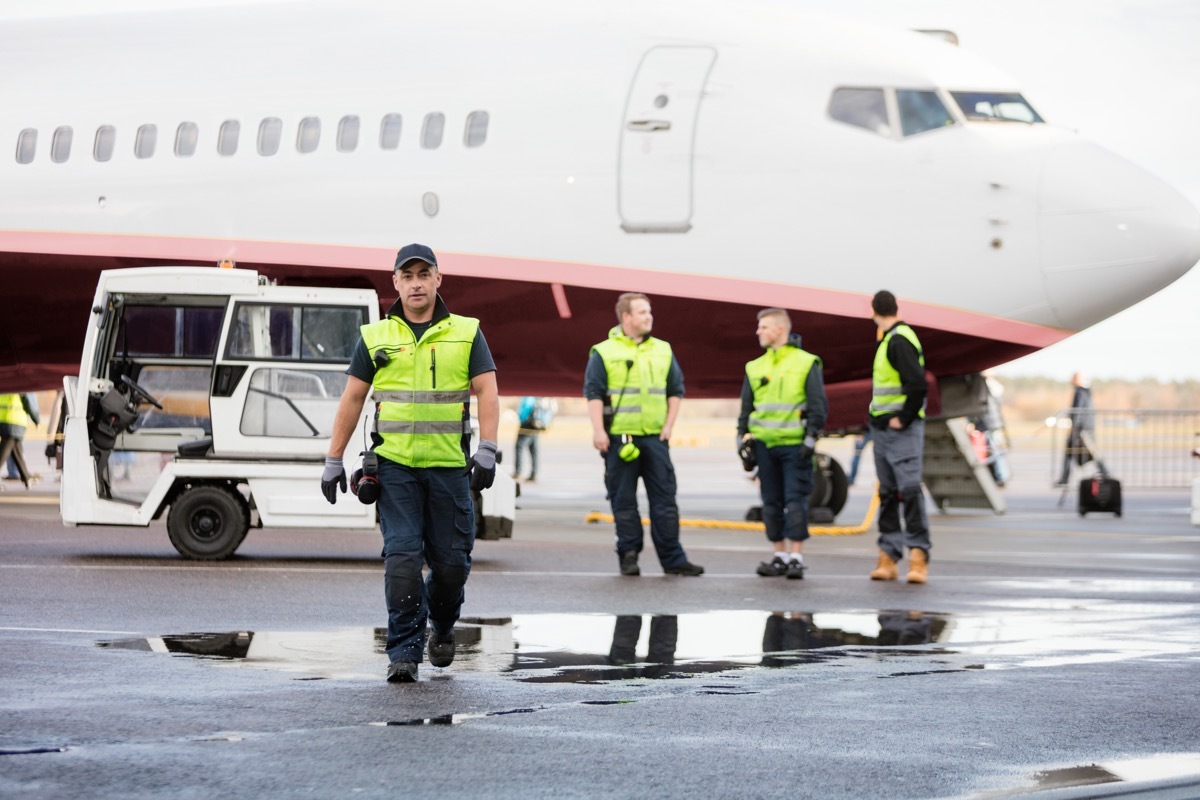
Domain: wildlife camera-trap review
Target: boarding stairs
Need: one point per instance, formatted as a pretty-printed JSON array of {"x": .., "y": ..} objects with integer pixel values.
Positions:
[{"x": 953, "y": 474}]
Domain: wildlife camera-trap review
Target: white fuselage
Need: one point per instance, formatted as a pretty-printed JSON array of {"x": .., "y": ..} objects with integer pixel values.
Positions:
[{"x": 681, "y": 150}]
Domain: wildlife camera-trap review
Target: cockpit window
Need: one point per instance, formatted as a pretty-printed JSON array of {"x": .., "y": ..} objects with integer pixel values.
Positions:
[
  {"x": 921, "y": 111},
  {"x": 999, "y": 106},
  {"x": 864, "y": 108}
]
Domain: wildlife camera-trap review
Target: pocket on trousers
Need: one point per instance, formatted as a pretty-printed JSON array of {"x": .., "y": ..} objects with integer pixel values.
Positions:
[{"x": 464, "y": 525}]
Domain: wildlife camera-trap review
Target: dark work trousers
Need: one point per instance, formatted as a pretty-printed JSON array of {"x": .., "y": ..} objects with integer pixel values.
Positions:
[
  {"x": 654, "y": 467},
  {"x": 527, "y": 440},
  {"x": 10, "y": 447},
  {"x": 785, "y": 480},
  {"x": 426, "y": 517},
  {"x": 898, "y": 457}
]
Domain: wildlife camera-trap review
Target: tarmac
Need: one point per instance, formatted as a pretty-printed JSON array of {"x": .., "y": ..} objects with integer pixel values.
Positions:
[{"x": 1050, "y": 655}]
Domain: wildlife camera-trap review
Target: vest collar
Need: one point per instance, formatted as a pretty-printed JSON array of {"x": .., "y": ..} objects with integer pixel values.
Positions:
[
  {"x": 440, "y": 312},
  {"x": 618, "y": 333}
]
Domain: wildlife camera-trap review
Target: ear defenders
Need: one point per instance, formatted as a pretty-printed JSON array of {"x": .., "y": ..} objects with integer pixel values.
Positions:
[
  {"x": 365, "y": 480},
  {"x": 629, "y": 451}
]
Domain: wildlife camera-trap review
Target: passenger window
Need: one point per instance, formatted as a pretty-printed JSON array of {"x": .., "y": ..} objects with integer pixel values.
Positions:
[
  {"x": 26, "y": 145},
  {"x": 186, "y": 136},
  {"x": 294, "y": 333},
  {"x": 270, "y": 132},
  {"x": 432, "y": 130},
  {"x": 106, "y": 141},
  {"x": 921, "y": 111},
  {"x": 389, "y": 132},
  {"x": 863, "y": 108},
  {"x": 477, "y": 127},
  {"x": 347, "y": 136},
  {"x": 60, "y": 145},
  {"x": 144, "y": 143},
  {"x": 309, "y": 134},
  {"x": 227, "y": 137}
]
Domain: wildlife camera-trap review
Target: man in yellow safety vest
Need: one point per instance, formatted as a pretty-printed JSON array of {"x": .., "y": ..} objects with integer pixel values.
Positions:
[
  {"x": 422, "y": 363},
  {"x": 634, "y": 387},
  {"x": 897, "y": 416},
  {"x": 783, "y": 411}
]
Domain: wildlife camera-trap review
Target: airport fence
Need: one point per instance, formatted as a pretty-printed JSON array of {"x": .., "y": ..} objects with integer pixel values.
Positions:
[{"x": 1143, "y": 448}]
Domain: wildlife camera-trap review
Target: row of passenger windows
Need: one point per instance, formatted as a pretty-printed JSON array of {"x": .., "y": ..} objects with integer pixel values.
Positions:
[
  {"x": 268, "y": 140},
  {"x": 923, "y": 110}
]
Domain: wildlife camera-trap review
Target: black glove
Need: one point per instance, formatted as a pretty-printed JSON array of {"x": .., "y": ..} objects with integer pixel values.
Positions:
[
  {"x": 808, "y": 448},
  {"x": 482, "y": 466},
  {"x": 333, "y": 478},
  {"x": 747, "y": 455}
]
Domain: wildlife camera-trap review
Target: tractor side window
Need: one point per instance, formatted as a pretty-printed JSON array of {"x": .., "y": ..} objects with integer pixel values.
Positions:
[
  {"x": 265, "y": 332},
  {"x": 292, "y": 402}
]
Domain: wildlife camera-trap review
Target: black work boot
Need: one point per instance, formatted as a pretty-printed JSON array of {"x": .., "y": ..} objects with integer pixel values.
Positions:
[
  {"x": 402, "y": 672},
  {"x": 441, "y": 648},
  {"x": 629, "y": 565}
]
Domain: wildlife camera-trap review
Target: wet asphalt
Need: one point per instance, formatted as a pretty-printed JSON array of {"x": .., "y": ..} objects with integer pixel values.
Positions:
[{"x": 1049, "y": 654}]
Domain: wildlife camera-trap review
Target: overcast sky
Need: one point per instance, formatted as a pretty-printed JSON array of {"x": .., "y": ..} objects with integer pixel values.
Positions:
[{"x": 1125, "y": 73}]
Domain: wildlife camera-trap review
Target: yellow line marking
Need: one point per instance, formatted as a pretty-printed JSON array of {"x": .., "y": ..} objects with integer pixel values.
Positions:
[{"x": 737, "y": 525}]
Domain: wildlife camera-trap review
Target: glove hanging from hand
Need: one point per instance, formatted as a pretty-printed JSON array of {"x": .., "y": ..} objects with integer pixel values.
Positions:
[
  {"x": 333, "y": 478},
  {"x": 808, "y": 448},
  {"x": 482, "y": 466}
]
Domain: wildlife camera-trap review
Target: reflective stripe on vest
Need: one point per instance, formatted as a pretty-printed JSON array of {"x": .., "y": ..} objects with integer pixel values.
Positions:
[
  {"x": 637, "y": 382},
  {"x": 778, "y": 379},
  {"x": 887, "y": 391},
  {"x": 422, "y": 394},
  {"x": 12, "y": 411}
]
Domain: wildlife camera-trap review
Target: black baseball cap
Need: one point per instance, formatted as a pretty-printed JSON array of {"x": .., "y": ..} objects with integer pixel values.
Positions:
[{"x": 415, "y": 252}]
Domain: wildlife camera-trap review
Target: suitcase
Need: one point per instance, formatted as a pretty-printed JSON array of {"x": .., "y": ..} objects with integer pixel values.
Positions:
[{"x": 1100, "y": 493}]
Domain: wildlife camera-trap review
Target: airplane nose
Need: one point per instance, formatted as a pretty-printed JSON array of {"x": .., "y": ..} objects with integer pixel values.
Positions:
[{"x": 1110, "y": 234}]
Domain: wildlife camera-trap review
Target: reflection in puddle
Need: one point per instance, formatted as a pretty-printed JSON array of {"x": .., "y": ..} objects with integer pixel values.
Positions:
[
  {"x": 1074, "y": 776},
  {"x": 587, "y": 648},
  {"x": 601, "y": 648}
]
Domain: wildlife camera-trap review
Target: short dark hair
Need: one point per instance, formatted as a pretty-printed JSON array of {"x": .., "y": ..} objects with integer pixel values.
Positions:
[
  {"x": 884, "y": 303},
  {"x": 625, "y": 302}
]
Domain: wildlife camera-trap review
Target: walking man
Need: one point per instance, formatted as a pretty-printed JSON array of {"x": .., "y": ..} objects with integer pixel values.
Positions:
[
  {"x": 783, "y": 411},
  {"x": 422, "y": 363},
  {"x": 897, "y": 415},
  {"x": 634, "y": 387}
]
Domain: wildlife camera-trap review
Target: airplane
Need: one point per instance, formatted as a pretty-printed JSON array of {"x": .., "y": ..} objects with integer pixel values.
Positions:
[{"x": 720, "y": 157}]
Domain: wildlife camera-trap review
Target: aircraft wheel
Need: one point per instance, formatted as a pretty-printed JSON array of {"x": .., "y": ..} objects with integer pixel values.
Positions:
[
  {"x": 830, "y": 486},
  {"x": 207, "y": 523}
]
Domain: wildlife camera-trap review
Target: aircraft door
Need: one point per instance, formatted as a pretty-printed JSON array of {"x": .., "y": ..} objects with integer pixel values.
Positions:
[{"x": 654, "y": 191}]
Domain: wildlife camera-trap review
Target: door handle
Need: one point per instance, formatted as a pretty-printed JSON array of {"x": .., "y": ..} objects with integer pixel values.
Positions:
[{"x": 648, "y": 125}]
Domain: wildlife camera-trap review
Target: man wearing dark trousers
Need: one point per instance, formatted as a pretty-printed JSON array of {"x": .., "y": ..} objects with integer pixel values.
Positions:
[
  {"x": 634, "y": 387},
  {"x": 897, "y": 415},
  {"x": 422, "y": 363},
  {"x": 783, "y": 412}
]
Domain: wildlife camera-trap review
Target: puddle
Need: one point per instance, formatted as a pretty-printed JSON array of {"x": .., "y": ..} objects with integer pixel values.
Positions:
[
  {"x": 602, "y": 648},
  {"x": 1089, "y": 775},
  {"x": 578, "y": 648},
  {"x": 1181, "y": 769}
]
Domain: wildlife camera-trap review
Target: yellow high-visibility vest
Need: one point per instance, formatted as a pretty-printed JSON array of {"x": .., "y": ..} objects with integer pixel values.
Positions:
[{"x": 422, "y": 394}]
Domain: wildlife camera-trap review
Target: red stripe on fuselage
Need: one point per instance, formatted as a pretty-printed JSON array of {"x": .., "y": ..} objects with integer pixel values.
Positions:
[{"x": 652, "y": 282}]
